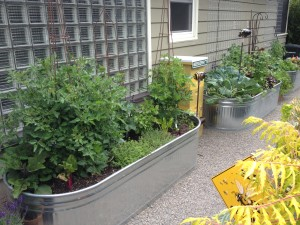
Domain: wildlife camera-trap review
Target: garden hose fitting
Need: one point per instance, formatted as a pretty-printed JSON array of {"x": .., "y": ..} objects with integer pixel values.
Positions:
[{"x": 199, "y": 76}]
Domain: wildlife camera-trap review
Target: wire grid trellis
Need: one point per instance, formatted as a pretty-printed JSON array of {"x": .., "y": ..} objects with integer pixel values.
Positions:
[{"x": 113, "y": 32}]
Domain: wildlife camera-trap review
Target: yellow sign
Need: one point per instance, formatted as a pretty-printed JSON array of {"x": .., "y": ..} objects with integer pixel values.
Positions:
[{"x": 232, "y": 187}]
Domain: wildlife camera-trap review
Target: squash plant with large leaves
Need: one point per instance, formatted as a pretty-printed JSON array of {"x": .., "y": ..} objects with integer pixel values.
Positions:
[{"x": 227, "y": 82}]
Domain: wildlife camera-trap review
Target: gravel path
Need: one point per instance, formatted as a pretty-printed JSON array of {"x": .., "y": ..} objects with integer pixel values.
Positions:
[{"x": 195, "y": 194}]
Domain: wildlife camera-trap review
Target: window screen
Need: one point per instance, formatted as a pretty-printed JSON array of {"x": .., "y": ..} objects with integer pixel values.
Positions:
[{"x": 181, "y": 15}]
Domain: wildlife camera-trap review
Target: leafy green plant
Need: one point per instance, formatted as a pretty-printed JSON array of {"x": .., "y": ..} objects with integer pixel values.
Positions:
[
  {"x": 130, "y": 151},
  {"x": 227, "y": 82},
  {"x": 71, "y": 119},
  {"x": 285, "y": 79},
  {"x": 169, "y": 88},
  {"x": 276, "y": 184},
  {"x": 277, "y": 50},
  {"x": 288, "y": 65},
  {"x": 145, "y": 116},
  {"x": 233, "y": 57}
]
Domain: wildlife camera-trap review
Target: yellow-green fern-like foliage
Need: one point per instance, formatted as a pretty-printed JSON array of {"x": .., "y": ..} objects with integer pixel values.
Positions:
[{"x": 274, "y": 176}]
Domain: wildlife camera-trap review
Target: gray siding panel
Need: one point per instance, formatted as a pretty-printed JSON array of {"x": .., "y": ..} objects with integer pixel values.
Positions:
[{"x": 218, "y": 27}]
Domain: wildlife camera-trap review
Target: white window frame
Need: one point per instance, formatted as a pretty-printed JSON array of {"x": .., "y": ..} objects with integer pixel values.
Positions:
[{"x": 187, "y": 35}]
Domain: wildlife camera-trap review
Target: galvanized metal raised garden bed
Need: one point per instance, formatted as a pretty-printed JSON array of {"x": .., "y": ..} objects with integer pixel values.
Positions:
[
  {"x": 228, "y": 114},
  {"x": 295, "y": 77},
  {"x": 114, "y": 200}
]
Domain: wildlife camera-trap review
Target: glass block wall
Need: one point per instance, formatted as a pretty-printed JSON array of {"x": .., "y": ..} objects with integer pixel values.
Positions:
[{"x": 113, "y": 32}]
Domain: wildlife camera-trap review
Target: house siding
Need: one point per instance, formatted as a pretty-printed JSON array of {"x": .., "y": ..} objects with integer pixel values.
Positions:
[{"x": 219, "y": 23}]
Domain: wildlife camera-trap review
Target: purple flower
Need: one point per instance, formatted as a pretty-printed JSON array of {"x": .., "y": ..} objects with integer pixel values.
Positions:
[{"x": 2, "y": 214}]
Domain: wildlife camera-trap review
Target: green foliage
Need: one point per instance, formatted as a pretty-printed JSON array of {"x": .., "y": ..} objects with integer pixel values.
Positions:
[
  {"x": 169, "y": 87},
  {"x": 130, "y": 151},
  {"x": 274, "y": 176},
  {"x": 145, "y": 116},
  {"x": 293, "y": 22},
  {"x": 288, "y": 65},
  {"x": 277, "y": 50},
  {"x": 227, "y": 82},
  {"x": 71, "y": 121},
  {"x": 233, "y": 57},
  {"x": 286, "y": 81},
  {"x": 291, "y": 113}
]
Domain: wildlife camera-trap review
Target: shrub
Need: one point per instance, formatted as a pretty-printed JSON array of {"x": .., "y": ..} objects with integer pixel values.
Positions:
[
  {"x": 130, "y": 151},
  {"x": 169, "y": 88},
  {"x": 71, "y": 119}
]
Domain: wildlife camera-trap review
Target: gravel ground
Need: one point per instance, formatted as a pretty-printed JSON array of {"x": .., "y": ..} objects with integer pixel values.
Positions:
[{"x": 195, "y": 194}]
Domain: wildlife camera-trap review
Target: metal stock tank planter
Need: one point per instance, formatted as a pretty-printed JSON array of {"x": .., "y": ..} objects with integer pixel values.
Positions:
[
  {"x": 295, "y": 77},
  {"x": 228, "y": 114},
  {"x": 114, "y": 200}
]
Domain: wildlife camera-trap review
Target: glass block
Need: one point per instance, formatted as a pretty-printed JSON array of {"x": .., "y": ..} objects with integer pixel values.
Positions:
[
  {"x": 71, "y": 33},
  {"x": 59, "y": 53},
  {"x": 22, "y": 57},
  {"x": 98, "y": 32},
  {"x": 139, "y": 3},
  {"x": 142, "y": 72},
  {"x": 83, "y": 2},
  {"x": 72, "y": 51},
  {"x": 140, "y": 15},
  {"x": 97, "y": 14},
  {"x": 120, "y": 15},
  {"x": 130, "y": 31},
  {"x": 38, "y": 35},
  {"x": 7, "y": 104},
  {"x": 54, "y": 34},
  {"x": 140, "y": 45},
  {"x": 19, "y": 36},
  {"x": 132, "y": 88},
  {"x": 123, "y": 62},
  {"x": 67, "y": 1},
  {"x": 15, "y": 14},
  {"x": 97, "y": 2},
  {"x": 120, "y": 2},
  {"x": 143, "y": 85},
  {"x": 141, "y": 59},
  {"x": 131, "y": 46},
  {"x": 122, "y": 47},
  {"x": 132, "y": 75},
  {"x": 3, "y": 37},
  {"x": 85, "y": 51},
  {"x": 109, "y": 15},
  {"x": 52, "y": 13},
  {"x": 83, "y": 15},
  {"x": 121, "y": 32},
  {"x": 69, "y": 15},
  {"x": 5, "y": 81},
  {"x": 111, "y": 48},
  {"x": 108, "y": 2},
  {"x": 40, "y": 53},
  {"x": 129, "y": 2},
  {"x": 84, "y": 33},
  {"x": 99, "y": 49},
  {"x": 140, "y": 30},
  {"x": 4, "y": 59},
  {"x": 110, "y": 32},
  {"x": 35, "y": 14},
  {"x": 132, "y": 60},
  {"x": 112, "y": 64},
  {"x": 130, "y": 15},
  {"x": 2, "y": 14}
]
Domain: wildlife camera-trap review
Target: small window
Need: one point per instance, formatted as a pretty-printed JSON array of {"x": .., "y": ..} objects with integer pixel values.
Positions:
[{"x": 183, "y": 20}]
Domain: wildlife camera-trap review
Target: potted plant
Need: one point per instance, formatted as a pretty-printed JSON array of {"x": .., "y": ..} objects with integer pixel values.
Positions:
[
  {"x": 273, "y": 176},
  {"x": 231, "y": 97},
  {"x": 75, "y": 121}
]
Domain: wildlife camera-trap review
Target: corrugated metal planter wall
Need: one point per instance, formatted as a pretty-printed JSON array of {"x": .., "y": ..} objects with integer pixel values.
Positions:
[
  {"x": 295, "y": 77},
  {"x": 229, "y": 114},
  {"x": 114, "y": 200}
]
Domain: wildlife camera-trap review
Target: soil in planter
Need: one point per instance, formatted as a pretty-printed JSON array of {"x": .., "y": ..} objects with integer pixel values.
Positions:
[{"x": 58, "y": 186}]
